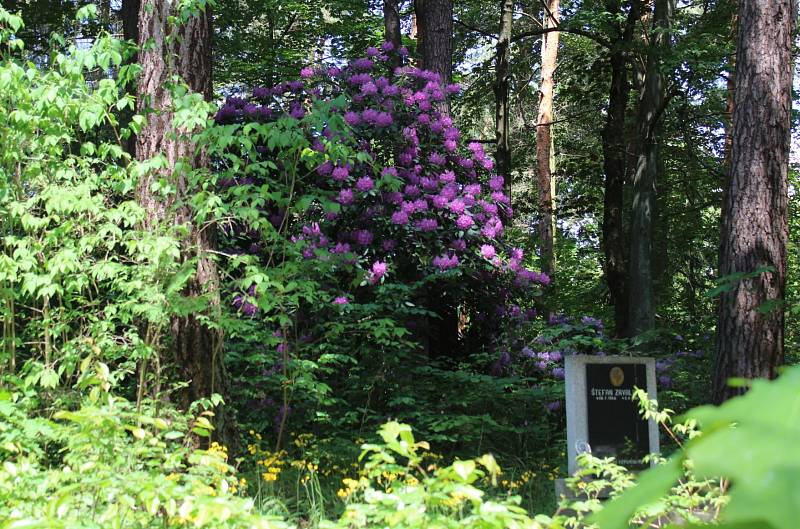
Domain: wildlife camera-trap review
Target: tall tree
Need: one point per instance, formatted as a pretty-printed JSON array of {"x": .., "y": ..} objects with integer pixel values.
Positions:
[
  {"x": 391, "y": 26},
  {"x": 615, "y": 159},
  {"x": 501, "y": 91},
  {"x": 651, "y": 108},
  {"x": 435, "y": 36},
  {"x": 754, "y": 230},
  {"x": 184, "y": 49},
  {"x": 544, "y": 138},
  {"x": 129, "y": 13}
]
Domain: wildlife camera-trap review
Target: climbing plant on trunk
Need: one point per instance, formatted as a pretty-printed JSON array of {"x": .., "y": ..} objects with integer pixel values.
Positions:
[{"x": 182, "y": 52}]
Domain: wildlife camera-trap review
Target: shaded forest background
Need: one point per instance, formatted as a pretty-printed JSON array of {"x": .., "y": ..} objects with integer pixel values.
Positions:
[{"x": 280, "y": 268}]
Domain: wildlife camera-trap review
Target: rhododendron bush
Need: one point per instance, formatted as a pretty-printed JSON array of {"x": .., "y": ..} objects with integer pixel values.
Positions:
[
  {"x": 411, "y": 190},
  {"x": 334, "y": 187}
]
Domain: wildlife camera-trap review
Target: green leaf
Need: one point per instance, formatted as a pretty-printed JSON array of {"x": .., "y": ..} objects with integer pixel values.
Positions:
[
  {"x": 652, "y": 485},
  {"x": 464, "y": 469}
]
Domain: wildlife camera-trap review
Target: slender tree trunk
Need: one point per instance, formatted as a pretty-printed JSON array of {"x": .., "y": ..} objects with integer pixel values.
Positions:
[
  {"x": 435, "y": 36},
  {"x": 129, "y": 14},
  {"x": 755, "y": 231},
  {"x": 651, "y": 108},
  {"x": 544, "y": 138},
  {"x": 615, "y": 159},
  {"x": 729, "y": 105},
  {"x": 183, "y": 50},
  {"x": 501, "y": 92},
  {"x": 391, "y": 25},
  {"x": 434, "y": 20}
]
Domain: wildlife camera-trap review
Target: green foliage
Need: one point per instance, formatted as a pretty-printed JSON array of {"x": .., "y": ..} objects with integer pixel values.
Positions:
[
  {"x": 397, "y": 491},
  {"x": 79, "y": 280},
  {"x": 109, "y": 464},
  {"x": 263, "y": 42}
]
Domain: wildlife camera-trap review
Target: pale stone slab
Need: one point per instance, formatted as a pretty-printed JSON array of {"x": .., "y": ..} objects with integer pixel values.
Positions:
[{"x": 577, "y": 405}]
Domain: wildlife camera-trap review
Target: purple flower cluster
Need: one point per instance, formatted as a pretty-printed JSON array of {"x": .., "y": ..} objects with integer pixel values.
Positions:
[{"x": 414, "y": 183}]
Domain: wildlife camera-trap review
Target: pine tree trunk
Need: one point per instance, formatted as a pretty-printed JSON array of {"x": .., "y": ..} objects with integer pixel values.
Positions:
[
  {"x": 544, "y": 139},
  {"x": 129, "y": 13},
  {"x": 435, "y": 36},
  {"x": 755, "y": 230},
  {"x": 391, "y": 25},
  {"x": 615, "y": 159},
  {"x": 651, "y": 108},
  {"x": 183, "y": 50},
  {"x": 501, "y": 92}
]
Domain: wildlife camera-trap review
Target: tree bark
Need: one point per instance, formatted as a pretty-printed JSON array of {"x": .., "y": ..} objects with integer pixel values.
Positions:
[
  {"x": 501, "y": 92},
  {"x": 755, "y": 230},
  {"x": 183, "y": 50},
  {"x": 129, "y": 13},
  {"x": 544, "y": 138},
  {"x": 651, "y": 108},
  {"x": 435, "y": 36},
  {"x": 391, "y": 25},
  {"x": 615, "y": 159}
]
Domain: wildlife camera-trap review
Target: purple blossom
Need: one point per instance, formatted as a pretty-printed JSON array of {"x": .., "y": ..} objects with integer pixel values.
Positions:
[
  {"x": 439, "y": 202},
  {"x": 488, "y": 251},
  {"x": 445, "y": 262},
  {"x": 501, "y": 364},
  {"x": 400, "y": 218},
  {"x": 341, "y": 173},
  {"x": 363, "y": 237},
  {"x": 496, "y": 183},
  {"x": 364, "y": 184},
  {"x": 426, "y": 224},
  {"x": 383, "y": 119},
  {"x": 473, "y": 189},
  {"x": 436, "y": 159},
  {"x": 592, "y": 322},
  {"x": 379, "y": 269},
  {"x": 421, "y": 204},
  {"x": 352, "y": 118},
  {"x": 411, "y": 190},
  {"x": 341, "y": 300},
  {"x": 297, "y": 111},
  {"x": 340, "y": 248},
  {"x": 448, "y": 177},
  {"x": 346, "y": 197},
  {"x": 459, "y": 245},
  {"x": 457, "y": 206},
  {"x": 464, "y": 222},
  {"x": 393, "y": 197},
  {"x": 553, "y": 406},
  {"x": 363, "y": 64},
  {"x": 499, "y": 196}
]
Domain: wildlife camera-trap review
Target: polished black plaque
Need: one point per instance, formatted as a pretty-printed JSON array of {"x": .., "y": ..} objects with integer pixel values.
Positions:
[{"x": 616, "y": 428}]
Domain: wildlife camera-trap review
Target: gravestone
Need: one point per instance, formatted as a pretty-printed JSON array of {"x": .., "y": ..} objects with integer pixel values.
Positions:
[{"x": 601, "y": 415}]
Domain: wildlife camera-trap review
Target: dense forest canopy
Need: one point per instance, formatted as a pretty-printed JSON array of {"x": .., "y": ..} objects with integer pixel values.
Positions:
[{"x": 244, "y": 242}]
